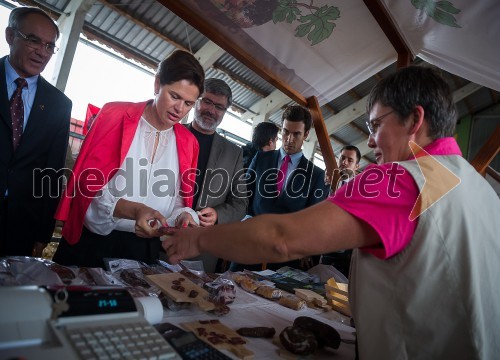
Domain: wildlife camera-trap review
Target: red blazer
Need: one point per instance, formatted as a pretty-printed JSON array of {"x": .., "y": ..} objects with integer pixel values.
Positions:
[{"x": 102, "y": 154}]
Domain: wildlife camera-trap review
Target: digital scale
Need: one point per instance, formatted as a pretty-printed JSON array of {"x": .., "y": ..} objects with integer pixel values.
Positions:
[{"x": 35, "y": 321}]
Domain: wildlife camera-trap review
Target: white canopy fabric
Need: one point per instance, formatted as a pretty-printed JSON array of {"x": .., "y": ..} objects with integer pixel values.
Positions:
[
  {"x": 327, "y": 47},
  {"x": 459, "y": 36}
]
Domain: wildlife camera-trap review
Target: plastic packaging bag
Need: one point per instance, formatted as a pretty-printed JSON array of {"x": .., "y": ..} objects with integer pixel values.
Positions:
[{"x": 326, "y": 272}]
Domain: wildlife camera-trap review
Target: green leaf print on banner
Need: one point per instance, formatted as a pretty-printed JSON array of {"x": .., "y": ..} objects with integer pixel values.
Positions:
[
  {"x": 317, "y": 22},
  {"x": 440, "y": 11}
]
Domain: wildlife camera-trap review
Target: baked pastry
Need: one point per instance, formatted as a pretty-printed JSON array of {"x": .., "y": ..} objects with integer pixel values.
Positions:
[
  {"x": 268, "y": 292},
  {"x": 249, "y": 285},
  {"x": 325, "y": 334},
  {"x": 298, "y": 340}
]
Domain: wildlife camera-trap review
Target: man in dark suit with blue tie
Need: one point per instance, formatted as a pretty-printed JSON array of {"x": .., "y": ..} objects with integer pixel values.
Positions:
[
  {"x": 284, "y": 181},
  {"x": 34, "y": 129}
]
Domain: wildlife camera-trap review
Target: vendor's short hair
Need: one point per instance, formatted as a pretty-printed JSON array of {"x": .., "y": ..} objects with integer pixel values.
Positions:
[{"x": 418, "y": 85}]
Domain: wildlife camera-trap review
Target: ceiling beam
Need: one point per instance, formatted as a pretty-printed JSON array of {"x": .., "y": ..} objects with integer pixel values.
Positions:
[
  {"x": 384, "y": 20},
  {"x": 268, "y": 105},
  {"x": 142, "y": 24},
  {"x": 345, "y": 116},
  {"x": 209, "y": 54},
  {"x": 487, "y": 153},
  {"x": 323, "y": 139},
  {"x": 458, "y": 95},
  {"x": 93, "y": 33},
  {"x": 354, "y": 111},
  {"x": 236, "y": 50},
  {"x": 465, "y": 91},
  {"x": 235, "y": 77}
]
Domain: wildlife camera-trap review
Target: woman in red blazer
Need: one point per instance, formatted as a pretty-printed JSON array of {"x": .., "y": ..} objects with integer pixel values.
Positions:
[{"x": 134, "y": 174}]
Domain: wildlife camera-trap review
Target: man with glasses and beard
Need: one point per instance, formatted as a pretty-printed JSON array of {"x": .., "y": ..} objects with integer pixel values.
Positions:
[{"x": 220, "y": 193}]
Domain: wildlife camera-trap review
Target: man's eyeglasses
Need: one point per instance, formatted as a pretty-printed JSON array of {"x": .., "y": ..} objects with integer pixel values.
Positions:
[
  {"x": 218, "y": 107},
  {"x": 374, "y": 124},
  {"x": 35, "y": 43}
]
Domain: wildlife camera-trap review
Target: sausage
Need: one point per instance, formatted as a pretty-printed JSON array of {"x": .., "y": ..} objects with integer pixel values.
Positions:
[{"x": 258, "y": 332}]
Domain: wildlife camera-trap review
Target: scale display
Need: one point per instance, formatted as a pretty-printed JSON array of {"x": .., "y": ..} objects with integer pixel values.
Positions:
[{"x": 85, "y": 301}]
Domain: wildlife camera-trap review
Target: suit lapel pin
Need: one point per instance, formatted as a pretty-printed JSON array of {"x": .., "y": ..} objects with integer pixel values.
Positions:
[{"x": 42, "y": 107}]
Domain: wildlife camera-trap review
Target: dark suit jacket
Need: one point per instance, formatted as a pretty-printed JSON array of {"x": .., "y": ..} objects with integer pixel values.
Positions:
[
  {"x": 305, "y": 186},
  {"x": 224, "y": 186},
  {"x": 32, "y": 195}
]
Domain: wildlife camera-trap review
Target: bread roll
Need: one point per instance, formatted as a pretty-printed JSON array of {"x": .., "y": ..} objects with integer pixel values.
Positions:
[
  {"x": 268, "y": 292},
  {"x": 292, "y": 302}
]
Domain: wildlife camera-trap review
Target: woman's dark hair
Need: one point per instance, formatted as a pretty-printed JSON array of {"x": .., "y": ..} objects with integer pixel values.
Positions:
[
  {"x": 296, "y": 113},
  {"x": 18, "y": 15},
  {"x": 264, "y": 132},
  {"x": 181, "y": 65},
  {"x": 418, "y": 85}
]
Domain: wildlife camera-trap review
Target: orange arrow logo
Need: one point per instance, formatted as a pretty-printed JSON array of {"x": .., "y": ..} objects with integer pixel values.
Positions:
[{"x": 439, "y": 180}]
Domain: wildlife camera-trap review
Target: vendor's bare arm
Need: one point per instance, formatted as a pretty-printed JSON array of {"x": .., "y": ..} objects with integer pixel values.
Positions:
[{"x": 275, "y": 238}]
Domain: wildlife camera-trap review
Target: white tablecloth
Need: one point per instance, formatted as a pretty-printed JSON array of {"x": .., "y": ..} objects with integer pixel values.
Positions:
[{"x": 250, "y": 310}]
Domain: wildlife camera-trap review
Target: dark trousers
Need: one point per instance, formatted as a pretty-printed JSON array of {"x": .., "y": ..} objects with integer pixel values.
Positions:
[
  {"x": 3, "y": 226},
  {"x": 93, "y": 248},
  {"x": 16, "y": 236}
]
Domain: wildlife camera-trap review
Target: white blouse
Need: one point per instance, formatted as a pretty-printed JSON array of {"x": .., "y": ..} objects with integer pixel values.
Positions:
[{"x": 144, "y": 177}]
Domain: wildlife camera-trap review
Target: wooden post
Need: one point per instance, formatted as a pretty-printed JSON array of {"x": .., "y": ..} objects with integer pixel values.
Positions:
[
  {"x": 323, "y": 140},
  {"x": 487, "y": 153}
]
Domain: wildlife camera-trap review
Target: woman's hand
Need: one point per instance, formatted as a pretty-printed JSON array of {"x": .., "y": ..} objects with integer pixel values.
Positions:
[
  {"x": 184, "y": 220},
  {"x": 148, "y": 221}
]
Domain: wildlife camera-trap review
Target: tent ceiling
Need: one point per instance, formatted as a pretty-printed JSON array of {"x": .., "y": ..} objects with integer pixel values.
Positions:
[{"x": 147, "y": 31}]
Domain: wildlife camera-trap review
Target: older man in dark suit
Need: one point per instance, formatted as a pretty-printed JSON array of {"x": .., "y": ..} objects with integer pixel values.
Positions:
[
  {"x": 34, "y": 129},
  {"x": 284, "y": 181}
]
